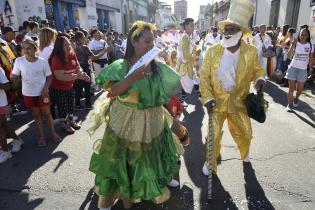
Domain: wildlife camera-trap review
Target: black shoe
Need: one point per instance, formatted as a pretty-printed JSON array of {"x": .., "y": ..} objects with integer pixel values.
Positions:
[
  {"x": 78, "y": 107},
  {"x": 88, "y": 106}
]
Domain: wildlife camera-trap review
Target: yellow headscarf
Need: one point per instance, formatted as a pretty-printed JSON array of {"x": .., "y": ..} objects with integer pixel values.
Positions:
[{"x": 140, "y": 27}]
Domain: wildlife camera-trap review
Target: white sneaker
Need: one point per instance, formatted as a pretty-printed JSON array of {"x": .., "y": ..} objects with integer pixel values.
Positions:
[
  {"x": 247, "y": 159},
  {"x": 184, "y": 104},
  {"x": 173, "y": 183},
  {"x": 205, "y": 170},
  {"x": 4, "y": 156},
  {"x": 17, "y": 145},
  {"x": 20, "y": 113}
]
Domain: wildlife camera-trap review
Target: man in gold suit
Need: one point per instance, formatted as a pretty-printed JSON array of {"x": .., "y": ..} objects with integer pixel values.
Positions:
[{"x": 228, "y": 69}]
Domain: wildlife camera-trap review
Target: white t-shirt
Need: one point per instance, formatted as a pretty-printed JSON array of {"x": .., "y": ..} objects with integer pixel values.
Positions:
[
  {"x": 211, "y": 40},
  {"x": 46, "y": 52},
  {"x": 33, "y": 75},
  {"x": 301, "y": 55},
  {"x": 3, "y": 95},
  {"x": 98, "y": 45}
]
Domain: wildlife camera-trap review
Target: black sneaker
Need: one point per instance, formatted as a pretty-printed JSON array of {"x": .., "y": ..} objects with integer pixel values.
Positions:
[{"x": 296, "y": 102}]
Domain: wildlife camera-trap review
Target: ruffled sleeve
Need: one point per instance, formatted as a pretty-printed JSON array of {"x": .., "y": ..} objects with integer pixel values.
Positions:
[
  {"x": 114, "y": 72},
  {"x": 170, "y": 79}
]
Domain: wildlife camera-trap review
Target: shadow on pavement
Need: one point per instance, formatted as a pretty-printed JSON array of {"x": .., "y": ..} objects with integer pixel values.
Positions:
[
  {"x": 194, "y": 159},
  {"x": 255, "y": 195},
  {"x": 279, "y": 96},
  {"x": 15, "y": 174},
  {"x": 181, "y": 199}
]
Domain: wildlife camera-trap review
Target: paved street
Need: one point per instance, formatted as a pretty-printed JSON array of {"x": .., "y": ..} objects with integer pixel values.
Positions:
[{"x": 280, "y": 175}]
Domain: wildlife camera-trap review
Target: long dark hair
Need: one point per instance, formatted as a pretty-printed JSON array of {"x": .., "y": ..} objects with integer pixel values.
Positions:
[
  {"x": 308, "y": 33},
  {"x": 285, "y": 29},
  {"x": 130, "y": 50},
  {"x": 58, "y": 49},
  {"x": 186, "y": 22}
]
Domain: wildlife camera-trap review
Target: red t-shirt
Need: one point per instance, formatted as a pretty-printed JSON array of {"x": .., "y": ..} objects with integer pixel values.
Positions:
[{"x": 71, "y": 67}]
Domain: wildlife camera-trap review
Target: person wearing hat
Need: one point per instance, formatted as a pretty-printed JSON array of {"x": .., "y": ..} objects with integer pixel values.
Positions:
[
  {"x": 8, "y": 34},
  {"x": 228, "y": 69}
]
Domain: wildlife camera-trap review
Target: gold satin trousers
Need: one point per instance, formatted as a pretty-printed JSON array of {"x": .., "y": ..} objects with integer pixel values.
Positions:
[{"x": 240, "y": 128}]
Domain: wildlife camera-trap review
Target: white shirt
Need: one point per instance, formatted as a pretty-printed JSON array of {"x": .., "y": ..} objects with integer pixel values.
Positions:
[
  {"x": 301, "y": 55},
  {"x": 211, "y": 40},
  {"x": 3, "y": 95},
  {"x": 226, "y": 72},
  {"x": 124, "y": 45},
  {"x": 180, "y": 47},
  {"x": 33, "y": 75},
  {"x": 158, "y": 41},
  {"x": 259, "y": 44},
  {"x": 46, "y": 52},
  {"x": 98, "y": 45}
]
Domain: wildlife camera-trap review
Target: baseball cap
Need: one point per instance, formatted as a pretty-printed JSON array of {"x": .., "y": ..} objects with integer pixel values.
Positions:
[{"x": 7, "y": 29}]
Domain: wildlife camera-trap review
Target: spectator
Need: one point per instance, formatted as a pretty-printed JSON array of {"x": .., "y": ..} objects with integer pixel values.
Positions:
[
  {"x": 8, "y": 34},
  {"x": 66, "y": 70},
  {"x": 36, "y": 79},
  {"x": 96, "y": 45},
  {"x": 84, "y": 54},
  {"x": 19, "y": 38},
  {"x": 34, "y": 28},
  {"x": 44, "y": 23},
  {"x": 262, "y": 42},
  {"x": 117, "y": 44},
  {"x": 26, "y": 26},
  {"x": 6, "y": 130},
  {"x": 301, "y": 51},
  {"x": 46, "y": 42}
]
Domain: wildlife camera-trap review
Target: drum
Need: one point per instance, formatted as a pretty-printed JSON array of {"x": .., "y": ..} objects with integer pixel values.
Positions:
[{"x": 271, "y": 65}]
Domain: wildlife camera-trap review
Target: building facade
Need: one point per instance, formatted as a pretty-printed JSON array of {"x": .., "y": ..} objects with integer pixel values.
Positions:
[
  {"x": 280, "y": 12},
  {"x": 66, "y": 14},
  {"x": 163, "y": 16},
  {"x": 205, "y": 18},
  {"x": 180, "y": 9},
  {"x": 220, "y": 10}
]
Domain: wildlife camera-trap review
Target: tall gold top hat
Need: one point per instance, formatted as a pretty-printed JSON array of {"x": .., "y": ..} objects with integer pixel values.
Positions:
[{"x": 239, "y": 14}]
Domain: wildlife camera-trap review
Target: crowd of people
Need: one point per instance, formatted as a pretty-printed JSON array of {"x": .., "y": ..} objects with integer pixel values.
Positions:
[{"x": 52, "y": 72}]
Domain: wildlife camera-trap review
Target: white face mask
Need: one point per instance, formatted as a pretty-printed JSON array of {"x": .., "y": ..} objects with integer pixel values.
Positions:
[{"x": 231, "y": 40}]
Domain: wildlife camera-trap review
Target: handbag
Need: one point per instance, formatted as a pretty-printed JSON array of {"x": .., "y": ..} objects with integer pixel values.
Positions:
[
  {"x": 269, "y": 52},
  {"x": 255, "y": 106}
]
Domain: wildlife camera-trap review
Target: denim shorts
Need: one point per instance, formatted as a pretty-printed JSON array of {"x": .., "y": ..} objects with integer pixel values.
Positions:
[{"x": 297, "y": 74}]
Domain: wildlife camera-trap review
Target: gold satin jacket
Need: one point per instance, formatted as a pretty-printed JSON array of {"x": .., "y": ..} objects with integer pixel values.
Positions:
[{"x": 248, "y": 70}]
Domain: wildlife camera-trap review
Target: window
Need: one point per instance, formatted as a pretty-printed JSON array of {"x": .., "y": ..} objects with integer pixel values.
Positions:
[{"x": 312, "y": 3}]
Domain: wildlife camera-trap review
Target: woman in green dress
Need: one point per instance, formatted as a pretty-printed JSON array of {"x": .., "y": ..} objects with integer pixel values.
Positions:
[{"x": 137, "y": 156}]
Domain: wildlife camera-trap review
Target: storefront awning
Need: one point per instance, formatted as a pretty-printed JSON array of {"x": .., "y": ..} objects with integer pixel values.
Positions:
[
  {"x": 77, "y": 2},
  {"x": 107, "y": 8}
]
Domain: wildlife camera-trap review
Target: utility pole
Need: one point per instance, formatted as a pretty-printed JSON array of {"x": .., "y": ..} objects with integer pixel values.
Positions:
[{"x": 212, "y": 15}]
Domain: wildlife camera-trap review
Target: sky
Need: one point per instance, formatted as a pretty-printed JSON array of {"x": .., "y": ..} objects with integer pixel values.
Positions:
[{"x": 193, "y": 6}]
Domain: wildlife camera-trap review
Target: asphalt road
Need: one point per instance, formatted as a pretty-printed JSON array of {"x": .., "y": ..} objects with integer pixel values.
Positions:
[{"x": 280, "y": 175}]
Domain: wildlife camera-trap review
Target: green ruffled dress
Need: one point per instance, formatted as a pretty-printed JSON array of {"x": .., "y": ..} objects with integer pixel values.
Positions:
[{"x": 137, "y": 156}]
